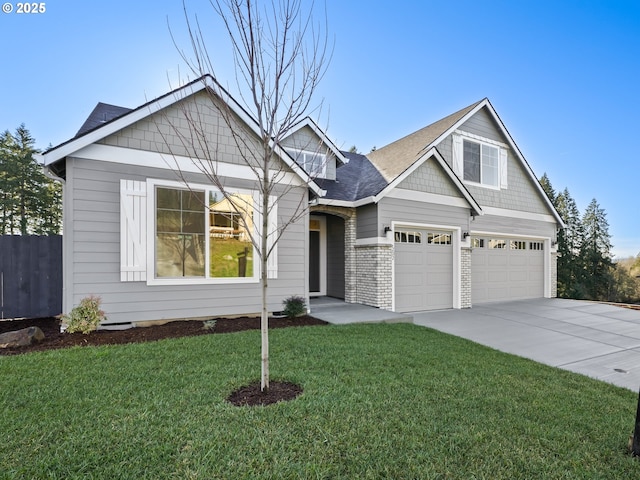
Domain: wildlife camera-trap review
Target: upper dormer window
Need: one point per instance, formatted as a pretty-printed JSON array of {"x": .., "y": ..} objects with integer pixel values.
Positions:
[
  {"x": 314, "y": 163},
  {"x": 481, "y": 163}
]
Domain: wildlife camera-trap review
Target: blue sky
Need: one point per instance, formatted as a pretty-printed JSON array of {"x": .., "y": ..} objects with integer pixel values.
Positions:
[{"x": 562, "y": 75}]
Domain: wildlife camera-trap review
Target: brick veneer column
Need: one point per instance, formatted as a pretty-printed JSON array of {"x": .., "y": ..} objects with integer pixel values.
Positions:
[{"x": 465, "y": 287}]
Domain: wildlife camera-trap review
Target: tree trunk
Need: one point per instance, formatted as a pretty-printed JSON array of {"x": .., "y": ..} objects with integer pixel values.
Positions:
[{"x": 264, "y": 318}]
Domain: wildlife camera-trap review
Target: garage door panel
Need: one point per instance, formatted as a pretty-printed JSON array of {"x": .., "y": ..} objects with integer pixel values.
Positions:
[
  {"x": 423, "y": 272},
  {"x": 514, "y": 272}
]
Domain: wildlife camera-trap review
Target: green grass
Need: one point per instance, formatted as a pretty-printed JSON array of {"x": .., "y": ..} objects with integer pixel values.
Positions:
[
  {"x": 224, "y": 257},
  {"x": 379, "y": 401}
]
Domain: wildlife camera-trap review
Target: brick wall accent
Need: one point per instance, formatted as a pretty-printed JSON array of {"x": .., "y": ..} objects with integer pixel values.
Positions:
[
  {"x": 553, "y": 272},
  {"x": 374, "y": 269},
  {"x": 465, "y": 287}
]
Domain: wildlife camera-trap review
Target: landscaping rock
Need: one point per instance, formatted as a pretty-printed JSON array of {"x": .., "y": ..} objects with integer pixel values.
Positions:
[{"x": 21, "y": 338}]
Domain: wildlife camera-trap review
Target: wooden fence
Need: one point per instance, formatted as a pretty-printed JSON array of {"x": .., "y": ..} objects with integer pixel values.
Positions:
[{"x": 30, "y": 276}]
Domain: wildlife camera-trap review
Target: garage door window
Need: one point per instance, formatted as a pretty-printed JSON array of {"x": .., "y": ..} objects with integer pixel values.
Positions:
[
  {"x": 439, "y": 238},
  {"x": 477, "y": 243},
  {"x": 408, "y": 237},
  {"x": 517, "y": 245},
  {"x": 536, "y": 246},
  {"x": 497, "y": 243}
]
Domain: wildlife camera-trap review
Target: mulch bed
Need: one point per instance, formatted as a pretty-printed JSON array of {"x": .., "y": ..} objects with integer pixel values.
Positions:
[
  {"x": 250, "y": 395},
  {"x": 54, "y": 339}
]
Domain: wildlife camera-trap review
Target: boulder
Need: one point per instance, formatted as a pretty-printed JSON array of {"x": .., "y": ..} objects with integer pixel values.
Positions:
[{"x": 21, "y": 338}]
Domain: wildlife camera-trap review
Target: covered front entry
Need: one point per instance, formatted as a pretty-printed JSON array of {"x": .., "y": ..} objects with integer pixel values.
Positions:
[
  {"x": 506, "y": 269},
  {"x": 423, "y": 270},
  {"x": 326, "y": 256}
]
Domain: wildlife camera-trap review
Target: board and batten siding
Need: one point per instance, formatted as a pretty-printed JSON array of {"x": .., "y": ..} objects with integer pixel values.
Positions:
[{"x": 92, "y": 235}]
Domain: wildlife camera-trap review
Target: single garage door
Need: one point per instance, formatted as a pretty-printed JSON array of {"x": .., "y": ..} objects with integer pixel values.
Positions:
[
  {"x": 506, "y": 269},
  {"x": 423, "y": 270}
]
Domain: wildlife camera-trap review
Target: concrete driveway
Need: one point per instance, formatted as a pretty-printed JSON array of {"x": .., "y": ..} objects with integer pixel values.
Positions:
[{"x": 601, "y": 341}]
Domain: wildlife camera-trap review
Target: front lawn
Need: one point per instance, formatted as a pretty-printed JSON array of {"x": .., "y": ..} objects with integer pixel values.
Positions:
[{"x": 379, "y": 401}]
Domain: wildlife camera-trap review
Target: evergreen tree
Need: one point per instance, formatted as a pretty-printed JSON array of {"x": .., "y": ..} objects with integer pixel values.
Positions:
[
  {"x": 596, "y": 253},
  {"x": 30, "y": 203},
  {"x": 545, "y": 183},
  {"x": 570, "y": 269}
]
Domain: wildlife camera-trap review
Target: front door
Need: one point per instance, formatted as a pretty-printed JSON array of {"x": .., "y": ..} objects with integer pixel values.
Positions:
[{"x": 317, "y": 256}]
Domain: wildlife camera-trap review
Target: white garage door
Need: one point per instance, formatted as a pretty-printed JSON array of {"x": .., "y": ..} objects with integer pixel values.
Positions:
[
  {"x": 423, "y": 270},
  {"x": 506, "y": 269}
]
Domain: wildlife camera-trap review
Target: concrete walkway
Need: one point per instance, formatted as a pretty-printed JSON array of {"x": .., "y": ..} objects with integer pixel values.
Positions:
[{"x": 601, "y": 341}]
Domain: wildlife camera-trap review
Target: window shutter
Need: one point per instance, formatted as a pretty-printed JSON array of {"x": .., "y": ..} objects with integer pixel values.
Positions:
[
  {"x": 272, "y": 261},
  {"x": 503, "y": 168},
  {"x": 133, "y": 231},
  {"x": 458, "y": 156}
]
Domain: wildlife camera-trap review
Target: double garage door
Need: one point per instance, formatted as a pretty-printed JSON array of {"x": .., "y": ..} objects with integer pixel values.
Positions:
[
  {"x": 506, "y": 269},
  {"x": 423, "y": 270},
  {"x": 501, "y": 269}
]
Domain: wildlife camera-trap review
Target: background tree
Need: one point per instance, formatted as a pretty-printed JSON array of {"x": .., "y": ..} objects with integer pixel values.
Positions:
[
  {"x": 30, "y": 202},
  {"x": 280, "y": 56},
  {"x": 596, "y": 253},
  {"x": 570, "y": 238}
]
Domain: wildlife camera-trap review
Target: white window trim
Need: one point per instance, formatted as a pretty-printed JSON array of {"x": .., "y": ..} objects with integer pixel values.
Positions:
[
  {"x": 458, "y": 143},
  {"x": 151, "y": 225},
  {"x": 323, "y": 171}
]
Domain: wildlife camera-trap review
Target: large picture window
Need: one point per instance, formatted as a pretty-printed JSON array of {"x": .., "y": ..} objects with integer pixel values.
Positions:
[
  {"x": 481, "y": 163},
  {"x": 203, "y": 239}
]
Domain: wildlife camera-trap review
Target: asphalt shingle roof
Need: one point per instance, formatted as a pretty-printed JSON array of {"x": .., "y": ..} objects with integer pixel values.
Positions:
[
  {"x": 101, "y": 114},
  {"x": 393, "y": 159},
  {"x": 355, "y": 180}
]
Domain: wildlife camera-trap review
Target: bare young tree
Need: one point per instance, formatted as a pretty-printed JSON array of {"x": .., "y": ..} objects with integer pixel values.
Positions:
[{"x": 280, "y": 55}]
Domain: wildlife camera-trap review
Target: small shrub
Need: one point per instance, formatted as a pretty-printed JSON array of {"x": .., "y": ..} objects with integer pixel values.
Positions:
[
  {"x": 85, "y": 317},
  {"x": 209, "y": 324},
  {"x": 294, "y": 306}
]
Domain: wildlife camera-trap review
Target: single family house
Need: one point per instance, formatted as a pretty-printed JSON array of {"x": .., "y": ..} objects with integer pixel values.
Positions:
[{"x": 447, "y": 217}]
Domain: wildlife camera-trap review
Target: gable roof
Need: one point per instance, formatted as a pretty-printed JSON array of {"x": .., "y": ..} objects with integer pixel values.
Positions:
[
  {"x": 309, "y": 122},
  {"x": 396, "y": 159},
  {"x": 393, "y": 159},
  {"x": 96, "y": 132}
]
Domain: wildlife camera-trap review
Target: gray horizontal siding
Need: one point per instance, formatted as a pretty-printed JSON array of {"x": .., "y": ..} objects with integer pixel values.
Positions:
[
  {"x": 92, "y": 233},
  {"x": 513, "y": 226},
  {"x": 393, "y": 209},
  {"x": 367, "y": 221}
]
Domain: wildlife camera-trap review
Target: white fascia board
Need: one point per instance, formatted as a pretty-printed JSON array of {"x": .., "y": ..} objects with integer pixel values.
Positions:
[
  {"x": 346, "y": 203},
  {"x": 143, "y": 158},
  {"x": 503, "y": 212},
  {"x": 121, "y": 123}
]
